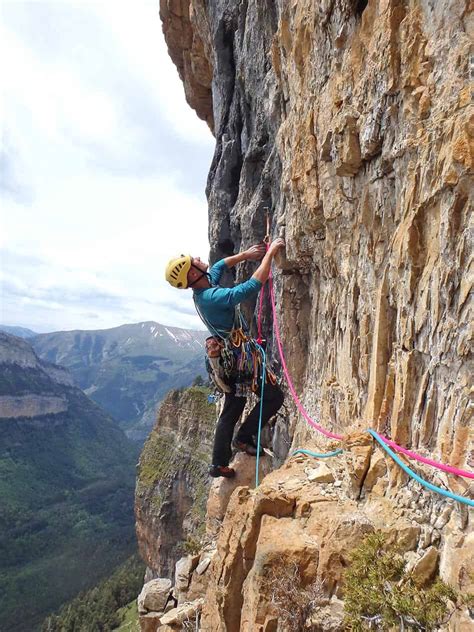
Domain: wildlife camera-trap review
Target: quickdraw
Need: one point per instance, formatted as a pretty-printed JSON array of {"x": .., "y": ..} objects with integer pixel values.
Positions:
[
  {"x": 238, "y": 337},
  {"x": 249, "y": 357}
]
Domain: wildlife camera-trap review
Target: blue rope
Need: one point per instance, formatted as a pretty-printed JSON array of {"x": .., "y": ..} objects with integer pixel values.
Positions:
[
  {"x": 318, "y": 455},
  {"x": 410, "y": 472},
  {"x": 264, "y": 362}
]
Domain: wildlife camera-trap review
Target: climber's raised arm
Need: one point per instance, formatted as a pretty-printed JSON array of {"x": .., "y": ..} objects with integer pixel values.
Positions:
[
  {"x": 254, "y": 253},
  {"x": 263, "y": 270}
]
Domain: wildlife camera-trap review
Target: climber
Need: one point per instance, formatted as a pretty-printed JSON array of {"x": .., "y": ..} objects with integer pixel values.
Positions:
[{"x": 233, "y": 356}]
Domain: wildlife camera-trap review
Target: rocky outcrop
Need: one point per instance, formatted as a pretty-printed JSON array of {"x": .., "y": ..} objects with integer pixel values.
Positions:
[
  {"x": 172, "y": 482},
  {"x": 31, "y": 406},
  {"x": 293, "y": 520},
  {"x": 351, "y": 121},
  {"x": 30, "y": 387},
  {"x": 186, "y": 32},
  {"x": 17, "y": 352},
  {"x": 305, "y": 517},
  {"x": 14, "y": 350},
  {"x": 154, "y": 596},
  {"x": 191, "y": 572}
]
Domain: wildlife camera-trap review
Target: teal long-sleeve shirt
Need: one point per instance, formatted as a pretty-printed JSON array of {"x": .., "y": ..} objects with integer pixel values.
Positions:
[{"x": 217, "y": 304}]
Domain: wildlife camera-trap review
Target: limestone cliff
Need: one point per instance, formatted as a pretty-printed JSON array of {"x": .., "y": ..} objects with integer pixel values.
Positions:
[
  {"x": 172, "y": 480},
  {"x": 352, "y": 122}
]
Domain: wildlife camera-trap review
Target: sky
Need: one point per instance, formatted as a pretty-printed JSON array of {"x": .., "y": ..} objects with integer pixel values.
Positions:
[{"x": 103, "y": 167}]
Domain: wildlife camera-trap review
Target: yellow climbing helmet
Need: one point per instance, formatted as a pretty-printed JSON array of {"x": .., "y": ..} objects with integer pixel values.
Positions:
[{"x": 177, "y": 271}]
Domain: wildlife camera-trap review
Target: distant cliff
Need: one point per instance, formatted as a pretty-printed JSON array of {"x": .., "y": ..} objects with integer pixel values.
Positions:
[
  {"x": 172, "y": 480},
  {"x": 67, "y": 475},
  {"x": 127, "y": 369}
]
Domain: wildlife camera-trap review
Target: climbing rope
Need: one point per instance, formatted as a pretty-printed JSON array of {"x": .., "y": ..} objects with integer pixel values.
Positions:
[
  {"x": 385, "y": 442},
  {"x": 422, "y": 481},
  {"x": 299, "y": 405},
  {"x": 409, "y": 471},
  {"x": 259, "y": 319},
  {"x": 414, "y": 455},
  {"x": 318, "y": 455},
  {"x": 260, "y": 414}
]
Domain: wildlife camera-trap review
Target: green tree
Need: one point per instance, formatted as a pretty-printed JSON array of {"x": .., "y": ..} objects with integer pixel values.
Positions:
[
  {"x": 380, "y": 594},
  {"x": 95, "y": 610},
  {"x": 198, "y": 381}
]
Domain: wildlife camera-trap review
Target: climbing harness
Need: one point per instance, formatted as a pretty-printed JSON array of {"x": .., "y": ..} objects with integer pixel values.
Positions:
[{"x": 234, "y": 356}]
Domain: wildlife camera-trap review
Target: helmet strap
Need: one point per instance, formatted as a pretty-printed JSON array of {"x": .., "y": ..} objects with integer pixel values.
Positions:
[{"x": 204, "y": 274}]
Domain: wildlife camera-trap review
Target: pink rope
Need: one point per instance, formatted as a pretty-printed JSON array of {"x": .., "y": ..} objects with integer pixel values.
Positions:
[
  {"x": 414, "y": 455},
  {"x": 423, "y": 459},
  {"x": 260, "y": 310},
  {"x": 299, "y": 405}
]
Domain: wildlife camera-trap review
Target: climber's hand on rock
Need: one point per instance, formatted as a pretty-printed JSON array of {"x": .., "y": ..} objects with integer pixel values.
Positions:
[
  {"x": 255, "y": 253},
  {"x": 276, "y": 245}
]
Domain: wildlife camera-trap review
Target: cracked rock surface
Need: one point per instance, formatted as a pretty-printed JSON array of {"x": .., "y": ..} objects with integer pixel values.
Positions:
[{"x": 352, "y": 122}]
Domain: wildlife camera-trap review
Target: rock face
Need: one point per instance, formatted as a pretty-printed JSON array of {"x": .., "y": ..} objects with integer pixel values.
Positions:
[
  {"x": 29, "y": 406},
  {"x": 351, "y": 121},
  {"x": 183, "y": 25},
  {"x": 154, "y": 596},
  {"x": 172, "y": 483},
  {"x": 293, "y": 520}
]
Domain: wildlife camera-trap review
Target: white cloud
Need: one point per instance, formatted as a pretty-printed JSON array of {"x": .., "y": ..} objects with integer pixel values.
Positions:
[
  {"x": 98, "y": 133},
  {"x": 147, "y": 49}
]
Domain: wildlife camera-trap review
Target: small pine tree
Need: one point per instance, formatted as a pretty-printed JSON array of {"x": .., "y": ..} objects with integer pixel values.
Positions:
[
  {"x": 379, "y": 594},
  {"x": 198, "y": 381}
]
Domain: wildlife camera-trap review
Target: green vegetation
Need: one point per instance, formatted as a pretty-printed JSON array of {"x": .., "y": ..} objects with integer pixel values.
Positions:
[
  {"x": 129, "y": 618},
  {"x": 106, "y": 606},
  {"x": 296, "y": 601},
  {"x": 165, "y": 460},
  {"x": 66, "y": 507},
  {"x": 160, "y": 459},
  {"x": 380, "y": 594}
]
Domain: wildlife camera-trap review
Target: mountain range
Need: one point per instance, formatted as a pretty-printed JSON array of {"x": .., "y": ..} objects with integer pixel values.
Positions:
[
  {"x": 21, "y": 332},
  {"x": 67, "y": 475},
  {"x": 127, "y": 370}
]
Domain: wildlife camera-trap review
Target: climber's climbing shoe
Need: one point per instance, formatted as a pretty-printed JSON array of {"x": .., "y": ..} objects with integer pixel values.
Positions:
[
  {"x": 248, "y": 448},
  {"x": 221, "y": 470}
]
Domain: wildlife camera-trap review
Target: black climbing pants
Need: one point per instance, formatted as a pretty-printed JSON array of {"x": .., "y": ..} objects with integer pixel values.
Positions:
[{"x": 233, "y": 407}]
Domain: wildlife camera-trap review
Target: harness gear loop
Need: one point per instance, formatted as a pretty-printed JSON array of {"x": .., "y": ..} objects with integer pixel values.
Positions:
[{"x": 240, "y": 356}]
